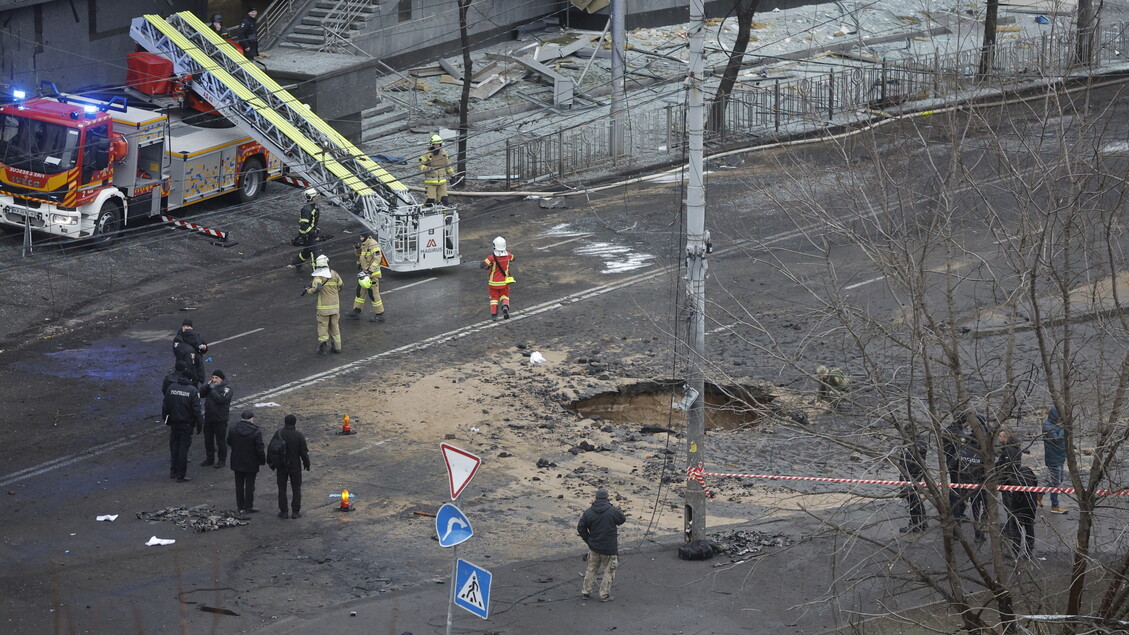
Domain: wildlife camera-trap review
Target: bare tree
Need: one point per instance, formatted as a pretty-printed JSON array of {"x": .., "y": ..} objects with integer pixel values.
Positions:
[
  {"x": 464, "y": 99},
  {"x": 745, "y": 9},
  {"x": 988, "y": 46}
]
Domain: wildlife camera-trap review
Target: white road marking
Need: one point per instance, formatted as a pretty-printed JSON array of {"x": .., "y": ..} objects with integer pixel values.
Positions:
[
  {"x": 563, "y": 242},
  {"x": 228, "y": 339},
  {"x": 863, "y": 283},
  {"x": 367, "y": 447},
  {"x": 722, "y": 328},
  {"x": 407, "y": 286}
]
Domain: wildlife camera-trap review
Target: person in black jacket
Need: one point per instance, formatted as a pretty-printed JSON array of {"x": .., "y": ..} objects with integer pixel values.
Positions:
[
  {"x": 297, "y": 459},
  {"x": 171, "y": 378},
  {"x": 1020, "y": 527},
  {"x": 249, "y": 34},
  {"x": 247, "y": 454},
  {"x": 599, "y": 529},
  {"x": 181, "y": 412},
  {"x": 189, "y": 346},
  {"x": 217, "y": 407},
  {"x": 911, "y": 467}
]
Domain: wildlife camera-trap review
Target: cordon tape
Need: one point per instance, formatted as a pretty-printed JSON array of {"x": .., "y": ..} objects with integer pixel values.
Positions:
[{"x": 698, "y": 473}]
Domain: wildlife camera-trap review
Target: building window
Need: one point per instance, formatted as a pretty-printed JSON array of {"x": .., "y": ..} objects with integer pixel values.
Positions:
[{"x": 404, "y": 10}]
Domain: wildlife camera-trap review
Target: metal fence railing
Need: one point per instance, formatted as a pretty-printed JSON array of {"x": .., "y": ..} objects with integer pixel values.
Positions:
[{"x": 767, "y": 107}]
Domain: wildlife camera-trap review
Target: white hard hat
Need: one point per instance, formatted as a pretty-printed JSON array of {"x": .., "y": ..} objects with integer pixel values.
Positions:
[
  {"x": 311, "y": 194},
  {"x": 499, "y": 244},
  {"x": 321, "y": 261}
]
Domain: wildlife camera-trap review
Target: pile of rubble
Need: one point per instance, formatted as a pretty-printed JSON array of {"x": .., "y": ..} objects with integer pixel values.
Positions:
[
  {"x": 739, "y": 543},
  {"x": 199, "y": 519}
]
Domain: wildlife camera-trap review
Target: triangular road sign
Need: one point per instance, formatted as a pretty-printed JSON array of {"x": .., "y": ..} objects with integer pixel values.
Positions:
[{"x": 461, "y": 467}]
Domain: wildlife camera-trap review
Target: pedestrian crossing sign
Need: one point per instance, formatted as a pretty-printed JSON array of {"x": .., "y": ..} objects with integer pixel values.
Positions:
[{"x": 472, "y": 588}]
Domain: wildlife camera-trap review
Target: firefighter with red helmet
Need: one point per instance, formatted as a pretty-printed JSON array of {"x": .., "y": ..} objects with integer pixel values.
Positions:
[
  {"x": 436, "y": 167},
  {"x": 499, "y": 278}
]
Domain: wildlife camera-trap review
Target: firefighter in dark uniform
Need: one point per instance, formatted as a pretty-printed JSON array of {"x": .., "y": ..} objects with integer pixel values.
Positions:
[
  {"x": 308, "y": 232},
  {"x": 436, "y": 167},
  {"x": 181, "y": 412}
]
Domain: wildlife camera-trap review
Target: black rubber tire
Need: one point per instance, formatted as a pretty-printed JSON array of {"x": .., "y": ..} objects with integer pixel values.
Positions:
[
  {"x": 108, "y": 225},
  {"x": 252, "y": 180}
]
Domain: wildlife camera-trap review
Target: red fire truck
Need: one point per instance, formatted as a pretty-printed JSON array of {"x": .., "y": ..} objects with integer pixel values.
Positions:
[{"x": 78, "y": 168}]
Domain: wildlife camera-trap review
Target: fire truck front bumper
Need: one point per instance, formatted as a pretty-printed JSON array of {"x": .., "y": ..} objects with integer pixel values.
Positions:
[{"x": 40, "y": 216}]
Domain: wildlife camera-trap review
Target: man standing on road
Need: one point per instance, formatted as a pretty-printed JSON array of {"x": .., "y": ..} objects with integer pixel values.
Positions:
[
  {"x": 297, "y": 459},
  {"x": 1054, "y": 455},
  {"x": 217, "y": 408},
  {"x": 247, "y": 454},
  {"x": 326, "y": 285},
  {"x": 368, "y": 265},
  {"x": 499, "y": 278},
  {"x": 189, "y": 347},
  {"x": 599, "y": 529},
  {"x": 181, "y": 412}
]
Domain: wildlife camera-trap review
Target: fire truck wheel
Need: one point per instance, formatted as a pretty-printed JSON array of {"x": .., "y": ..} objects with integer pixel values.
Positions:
[
  {"x": 109, "y": 221},
  {"x": 252, "y": 180}
]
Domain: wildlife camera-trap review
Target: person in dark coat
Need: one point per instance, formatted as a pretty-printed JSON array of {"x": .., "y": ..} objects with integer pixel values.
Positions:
[
  {"x": 599, "y": 529},
  {"x": 181, "y": 412},
  {"x": 217, "y": 408},
  {"x": 247, "y": 454},
  {"x": 1020, "y": 506},
  {"x": 953, "y": 439},
  {"x": 970, "y": 469},
  {"x": 171, "y": 378},
  {"x": 189, "y": 346},
  {"x": 911, "y": 466},
  {"x": 1054, "y": 455},
  {"x": 297, "y": 459},
  {"x": 249, "y": 34}
]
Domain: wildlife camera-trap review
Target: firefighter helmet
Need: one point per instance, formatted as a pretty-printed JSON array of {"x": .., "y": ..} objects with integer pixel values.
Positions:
[
  {"x": 311, "y": 194},
  {"x": 321, "y": 261},
  {"x": 364, "y": 280},
  {"x": 436, "y": 140},
  {"x": 499, "y": 245}
]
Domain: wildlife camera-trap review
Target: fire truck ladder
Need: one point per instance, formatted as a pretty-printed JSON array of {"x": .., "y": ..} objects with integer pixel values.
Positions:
[{"x": 411, "y": 237}]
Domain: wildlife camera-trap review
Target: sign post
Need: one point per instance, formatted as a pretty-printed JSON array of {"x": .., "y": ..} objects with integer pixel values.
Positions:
[{"x": 470, "y": 584}]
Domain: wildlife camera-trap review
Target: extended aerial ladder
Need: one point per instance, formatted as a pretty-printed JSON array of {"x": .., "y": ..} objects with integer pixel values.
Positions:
[{"x": 413, "y": 237}]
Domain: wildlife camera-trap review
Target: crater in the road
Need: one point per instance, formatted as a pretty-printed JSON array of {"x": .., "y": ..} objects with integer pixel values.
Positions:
[{"x": 661, "y": 403}]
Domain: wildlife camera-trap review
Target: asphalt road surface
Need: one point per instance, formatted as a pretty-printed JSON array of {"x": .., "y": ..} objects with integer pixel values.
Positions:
[{"x": 88, "y": 340}]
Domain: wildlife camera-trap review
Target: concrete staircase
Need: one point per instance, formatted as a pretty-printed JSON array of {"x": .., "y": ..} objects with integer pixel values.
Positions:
[{"x": 328, "y": 25}]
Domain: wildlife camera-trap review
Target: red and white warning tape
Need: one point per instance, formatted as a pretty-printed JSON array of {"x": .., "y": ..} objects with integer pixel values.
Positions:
[
  {"x": 293, "y": 180},
  {"x": 222, "y": 235},
  {"x": 699, "y": 474}
]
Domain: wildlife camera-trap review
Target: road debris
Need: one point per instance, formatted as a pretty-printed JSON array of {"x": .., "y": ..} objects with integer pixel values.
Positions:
[
  {"x": 738, "y": 544},
  {"x": 107, "y": 517},
  {"x": 159, "y": 542},
  {"x": 199, "y": 519}
]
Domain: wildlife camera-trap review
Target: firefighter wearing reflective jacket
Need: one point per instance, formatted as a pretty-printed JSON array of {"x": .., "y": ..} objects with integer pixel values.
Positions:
[
  {"x": 368, "y": 278},
  {"x": 500, "y": 279},
  {"x": 436, "y": 167},
  {"x": 308, "y": 231},
  {"x": 326, "y": 285}
]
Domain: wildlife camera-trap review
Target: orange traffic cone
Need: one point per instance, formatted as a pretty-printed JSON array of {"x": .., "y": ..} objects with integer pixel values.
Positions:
[
  {"x": 345, "y": 427},
  {"x": 345, "y": 506}
]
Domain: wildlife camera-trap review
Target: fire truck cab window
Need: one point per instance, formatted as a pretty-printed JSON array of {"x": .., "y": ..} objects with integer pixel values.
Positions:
[
  {"x": 96, "y": 154},
  {"x": 37, "y": 146}
]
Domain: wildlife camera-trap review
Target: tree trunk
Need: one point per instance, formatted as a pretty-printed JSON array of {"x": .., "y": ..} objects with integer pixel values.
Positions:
[
  {"x": 464, "y": 100},
  {"x": 745, "y": 10},
  {"x": 1087, "y": 32},
  {"x": 988, "y": 47}
]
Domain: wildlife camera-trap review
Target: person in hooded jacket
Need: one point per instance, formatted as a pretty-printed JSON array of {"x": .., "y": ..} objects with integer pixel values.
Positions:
[
  {"x": 1054, "y": 455},
  {"x": 181, "y": 412},
  {"x": 247, "y": 453},
  {"x": 217, "y": 408},
  {"x": 599, "y": 529}
]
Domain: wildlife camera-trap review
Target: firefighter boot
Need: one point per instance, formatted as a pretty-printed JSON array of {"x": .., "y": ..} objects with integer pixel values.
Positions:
[
  {"x": 335, "y": 349},
  {"x": 321, "y": 348},
  {"x": 505, "y": 311},
  {"x": 379, "y": 317},
  {"x": 356, "y": 314}
]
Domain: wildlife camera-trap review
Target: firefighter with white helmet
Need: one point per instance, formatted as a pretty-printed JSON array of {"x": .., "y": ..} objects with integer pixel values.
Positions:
[
  {"x": 308, "y": 231},
  {"x": 368, "y": 277},
  {"x": 499, "y": 278},
  {"x": 326, "y": 285},
  {"x": 436, "y": 167}
]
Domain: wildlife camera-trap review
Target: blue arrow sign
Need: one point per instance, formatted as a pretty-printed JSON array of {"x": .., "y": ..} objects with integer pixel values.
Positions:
[
  {"x": 452, "y": 526},
  {"x": 472, "y": 588}
]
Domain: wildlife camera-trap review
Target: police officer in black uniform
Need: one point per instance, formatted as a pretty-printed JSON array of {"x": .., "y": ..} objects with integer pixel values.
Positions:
[{"x": 181, "y": 412}]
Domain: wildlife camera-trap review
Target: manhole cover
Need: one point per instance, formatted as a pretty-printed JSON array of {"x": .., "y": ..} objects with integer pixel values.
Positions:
[{"x": 652, "y": 403}]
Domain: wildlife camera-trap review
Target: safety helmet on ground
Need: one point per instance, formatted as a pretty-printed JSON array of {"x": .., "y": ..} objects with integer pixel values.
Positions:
[
  {"x": 311, "y": 194},
  {"x": 364, "y": 280},
  {"x": 499, "y": 245},
  {"x": 321, "y": 261},
  {"x": 436, "y": 140}
]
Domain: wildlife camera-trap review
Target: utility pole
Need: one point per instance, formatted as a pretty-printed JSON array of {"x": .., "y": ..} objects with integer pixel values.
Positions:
[
  {"x": 697, "y": 247},
  {"x": 619, "y": 48}
]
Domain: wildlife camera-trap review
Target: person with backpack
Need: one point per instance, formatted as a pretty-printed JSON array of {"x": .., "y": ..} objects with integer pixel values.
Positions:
[
  {"x": 288, "y": 455},
  {"x": 247, "y": 454}
]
